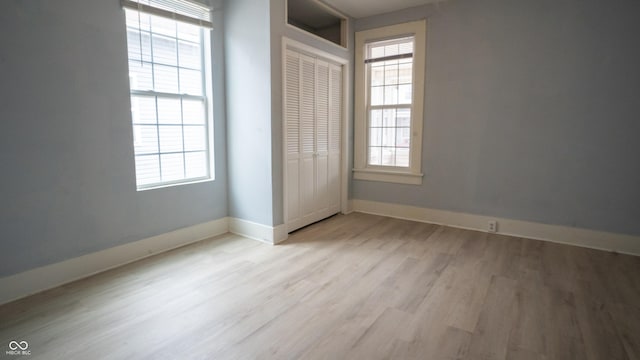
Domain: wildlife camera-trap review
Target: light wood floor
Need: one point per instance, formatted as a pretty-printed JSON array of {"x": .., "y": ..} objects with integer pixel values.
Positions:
[{"x": 351, "y": 287}]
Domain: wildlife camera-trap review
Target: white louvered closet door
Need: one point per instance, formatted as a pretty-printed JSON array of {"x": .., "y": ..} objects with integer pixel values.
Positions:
[{"x": 312, "y": 91}]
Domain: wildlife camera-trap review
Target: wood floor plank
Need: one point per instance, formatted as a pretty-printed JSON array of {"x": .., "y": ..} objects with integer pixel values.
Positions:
[
  {"x": 491, "y": 335},
  {"x": 353, "y": 286}
]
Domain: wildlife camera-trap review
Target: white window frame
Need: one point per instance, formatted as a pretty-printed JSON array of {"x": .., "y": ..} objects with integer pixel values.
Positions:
[
  {"x": 393, "y": 174},
  {"x": 206, "y": 70}
]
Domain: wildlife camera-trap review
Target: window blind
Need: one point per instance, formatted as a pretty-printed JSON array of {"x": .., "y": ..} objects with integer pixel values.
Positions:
[
  {"x": 388, "y": 50},
  {"x": 180, "y": 10}
]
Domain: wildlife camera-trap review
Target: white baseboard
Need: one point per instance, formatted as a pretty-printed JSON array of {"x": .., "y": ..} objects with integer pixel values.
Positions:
[
  {"x": 49, "y": 276},
  {"x": 621, "y": 243},
  {"x": 267, "y": 234}
]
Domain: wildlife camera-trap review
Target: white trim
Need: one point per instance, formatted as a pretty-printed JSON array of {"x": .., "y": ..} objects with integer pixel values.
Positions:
[
  {"x": 393, "y": 174},
  {"x": 346, "y": 135},
  {"x": 297, "y": 45},
  {"x": 49, "y": 276},
  {"x": 266, "y": 234},
  {"x": 621, "y": 243},
  {"x": 349, "y": 207},
  {"x": 387, "y": 176}
]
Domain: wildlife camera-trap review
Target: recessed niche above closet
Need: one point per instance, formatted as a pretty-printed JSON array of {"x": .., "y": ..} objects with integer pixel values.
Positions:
[{"x": 318, "y": 18}]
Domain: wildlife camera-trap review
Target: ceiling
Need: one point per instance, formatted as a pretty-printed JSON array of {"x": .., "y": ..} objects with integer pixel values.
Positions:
[{"x": 363, "y": 8}]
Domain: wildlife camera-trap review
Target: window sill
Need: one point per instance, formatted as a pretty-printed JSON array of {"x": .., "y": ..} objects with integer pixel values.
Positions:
[
  {"x": 173, "y": 184},
  {"x": 388, "y": 176}
]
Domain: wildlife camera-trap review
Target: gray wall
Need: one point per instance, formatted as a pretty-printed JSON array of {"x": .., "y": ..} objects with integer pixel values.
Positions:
[
  {"x": 248, "y": 96},
  {"x": 278, "y": 30},
  {"x": 66, "y": 150},
  {"x": 532, "y": 112}
]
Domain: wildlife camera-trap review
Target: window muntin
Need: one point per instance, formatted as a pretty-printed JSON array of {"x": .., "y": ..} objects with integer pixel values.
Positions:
[
  {"x": 168, "y": 100},
  {"x": 389, "y": 67}
]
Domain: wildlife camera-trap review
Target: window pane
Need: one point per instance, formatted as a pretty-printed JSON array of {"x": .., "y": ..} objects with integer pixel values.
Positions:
[
  {"x": 195, "y": 138},
  {"x": 375, "y": 136},
  {"x": 188, "y": 32},
  {"x": 172, "y": 167},
  {"x": 377, "y": 75},
  {"x": 403, "y": 137},
  {"x": 391, "y": 95},
  {"x": 165, "y": 50},
  {"x": 193, "y": 111},
  {"x": 389, "y": 118},
  {"x": 169, "y": 111},
  {"x": 190, "y": 82},
  {"x": 147, "y": 169},
  {"x": 391, "y": 74},
  {"x": 160, "y": 25},
  {"x": 143, "y": 109},
  {"x": 405, "y": 72},
  {"x": 388, "y": 156},
  {"x": 170, "y": 138},
  {"x": 140, "y": 77},
  {"x": 376, "y": 117},
  {"x": 196, "y": 164},
  {"x": 134, "y": 40},
  {"x": 391, "y": 62},
  {"x": 405, "y": 94},
  {"x": 406, "y": 47},
  {"x": 403, "y": 117},
  {"x": 402, "y": 157},
  {"x": 145, "y": 139},
  {"x": 375, "y": 155},
  {"x": 138, "y": 20},
  {"x": 376, "y": 95},
  {"x": 165, "y": 78},
  {"x": 189, "y": 55},
  {"x": 388, "y": 136},
  {"x": 376, "y": 52},
  {"x": 390, "y": 50}
]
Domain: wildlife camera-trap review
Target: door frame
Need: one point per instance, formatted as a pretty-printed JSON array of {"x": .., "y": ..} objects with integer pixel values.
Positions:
[{"x": 288, "y": 43}]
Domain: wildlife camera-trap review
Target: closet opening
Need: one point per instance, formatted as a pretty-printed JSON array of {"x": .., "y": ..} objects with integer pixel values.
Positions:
[{"x": 319, "y": 19}]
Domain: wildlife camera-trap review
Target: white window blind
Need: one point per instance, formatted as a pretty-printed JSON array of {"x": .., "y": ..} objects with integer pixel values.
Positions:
[
  {"x": 168, "y": 99},
  {"x": 390, "y": 67},
  {"x": 180, "y": 10}
]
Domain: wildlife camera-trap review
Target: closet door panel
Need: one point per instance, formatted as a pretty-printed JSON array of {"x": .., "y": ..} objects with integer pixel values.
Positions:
[
  {"x": 335, "y": 129},
  {"x": 293, "y": 190},
  {"x": 322, "y": 135},
  {"x": 307, "y": 135},
  {"x": 292, "y": 126}
]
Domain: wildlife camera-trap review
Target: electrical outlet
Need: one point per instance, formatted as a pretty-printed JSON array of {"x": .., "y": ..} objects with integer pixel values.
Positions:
[{"x": 493, "y": 226}]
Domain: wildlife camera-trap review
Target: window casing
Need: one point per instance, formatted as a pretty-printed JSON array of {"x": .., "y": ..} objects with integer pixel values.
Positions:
[
  {"x": 389, "y": 103},
  {"x": 171, "y": 117}
]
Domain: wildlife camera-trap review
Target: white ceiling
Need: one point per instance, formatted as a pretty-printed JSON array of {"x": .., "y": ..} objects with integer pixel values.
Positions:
[{"x": 363, "y": 8}]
